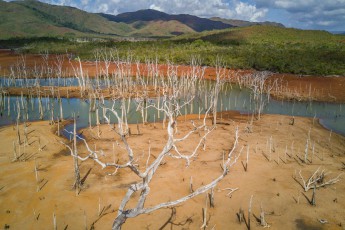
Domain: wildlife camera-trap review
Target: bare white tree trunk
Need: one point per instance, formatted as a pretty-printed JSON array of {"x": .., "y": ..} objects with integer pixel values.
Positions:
[
  {"x": 174, "y": 99},
  {"x": 75, "y": 158}
]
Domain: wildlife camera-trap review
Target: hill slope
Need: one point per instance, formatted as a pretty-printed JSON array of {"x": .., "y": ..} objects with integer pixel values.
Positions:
[
  {"x": 32, "y": 18},
  {"x": 159, "y": 28},
  {"x": 196, "y": 23},
  {"x": 28, "y": 25},
  {"x": 262, "y": 34},
  {"x": 41, "y": 19},
  {"x": 242, "y": 23}
]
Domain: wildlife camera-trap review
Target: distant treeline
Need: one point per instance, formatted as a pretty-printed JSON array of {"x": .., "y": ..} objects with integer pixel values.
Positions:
[{"x": 312, "y": 58}]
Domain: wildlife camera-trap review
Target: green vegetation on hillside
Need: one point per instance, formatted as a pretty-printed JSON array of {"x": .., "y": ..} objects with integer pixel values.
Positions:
[
  {"x": 258, "y": 47},
  {"x": 32, "y": 18},
  {"x": 159, "y": 29},
  {"x": 36, "y": 19},
  {"x": 242, "y": 23},
  {"x": 74, "y": 18}
]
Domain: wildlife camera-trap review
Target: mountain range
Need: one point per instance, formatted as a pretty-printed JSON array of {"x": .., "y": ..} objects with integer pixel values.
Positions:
[{"x": 32, "y": 18}]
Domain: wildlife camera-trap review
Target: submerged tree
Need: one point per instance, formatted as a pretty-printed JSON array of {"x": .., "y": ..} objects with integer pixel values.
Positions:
[{"x": 257, "y": 82}]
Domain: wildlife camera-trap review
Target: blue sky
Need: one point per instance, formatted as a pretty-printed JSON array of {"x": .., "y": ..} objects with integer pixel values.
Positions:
[{"x": 305, "y": 14}]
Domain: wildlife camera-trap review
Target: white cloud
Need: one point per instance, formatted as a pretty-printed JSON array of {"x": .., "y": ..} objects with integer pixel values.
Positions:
[
  {"x": 103, "y": 7},
  {"x": 314, "y": 13},
  {"x": 235, "y": 9},
  {"x": 202, "y": 8},
  {"x": 154, "y": 7},
  {"x": 246, "y": 11},
  {"x": 325, "y": 23},
  {"x": 210, "y": 8},
  {"x": 84, "y": 2}
]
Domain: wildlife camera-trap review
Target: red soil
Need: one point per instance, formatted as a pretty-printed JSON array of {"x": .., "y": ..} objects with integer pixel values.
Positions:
[{"x": 330, "y": 88}]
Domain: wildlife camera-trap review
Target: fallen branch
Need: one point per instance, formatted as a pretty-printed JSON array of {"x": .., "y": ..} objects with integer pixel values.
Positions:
[{"x": 317, "y": 180}]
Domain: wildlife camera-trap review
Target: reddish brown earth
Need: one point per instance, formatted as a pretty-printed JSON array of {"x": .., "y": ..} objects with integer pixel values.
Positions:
[
  {"x": 74, "y": 92},
  {"x": 330, "y": 88},
  {"x": 319, "y": 88}
]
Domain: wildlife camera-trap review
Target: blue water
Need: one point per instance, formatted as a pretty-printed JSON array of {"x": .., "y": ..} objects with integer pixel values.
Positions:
[
  {"x": 15, "y": 82},
  {"x": 31, "y": 82},
  {"x": 331, "y": 115}
]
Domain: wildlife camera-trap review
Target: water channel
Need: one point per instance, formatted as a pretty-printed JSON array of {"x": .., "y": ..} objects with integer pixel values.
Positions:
[{"x": 331, "y": 115}]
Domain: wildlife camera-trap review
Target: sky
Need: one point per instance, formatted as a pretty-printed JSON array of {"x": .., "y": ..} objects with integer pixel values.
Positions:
[{"x": 305, "y": 14}]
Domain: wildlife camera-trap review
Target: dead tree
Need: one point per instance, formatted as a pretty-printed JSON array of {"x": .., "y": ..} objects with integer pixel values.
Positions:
[
  {"x": 75, "y": 159},
  {"x": 263, "y": 222},
  {"x": 172, "y": 102},
  {"x": 80, "y": 75},
  {"x": 256, "y": 83},
  {"x": 317, "y": 180},
  {"x": 220, "y": 72},
  {"x": 74, "y": 154}
]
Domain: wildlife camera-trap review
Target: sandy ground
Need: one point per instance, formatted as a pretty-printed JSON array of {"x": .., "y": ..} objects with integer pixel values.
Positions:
[
  {"x": 319, "y": 88},
  {"x": 28, "y": 204}
]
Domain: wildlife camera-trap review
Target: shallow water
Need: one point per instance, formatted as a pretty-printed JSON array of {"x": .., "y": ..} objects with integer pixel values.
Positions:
[
  {"x": 15, "y": 82},
  {"x": 30, "y": 82},
  {"x": 331, "y": 115}
]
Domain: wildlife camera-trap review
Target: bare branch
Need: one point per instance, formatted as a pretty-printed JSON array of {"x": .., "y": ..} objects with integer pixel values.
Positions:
[{"x": 317, "y": 180}]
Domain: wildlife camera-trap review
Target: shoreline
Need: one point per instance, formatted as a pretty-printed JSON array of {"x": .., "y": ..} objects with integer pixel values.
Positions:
[{"x": 76, "y": 91}]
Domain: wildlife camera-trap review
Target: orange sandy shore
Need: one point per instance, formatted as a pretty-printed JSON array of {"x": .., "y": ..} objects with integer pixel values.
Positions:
[{"x": 269, "y": 178}]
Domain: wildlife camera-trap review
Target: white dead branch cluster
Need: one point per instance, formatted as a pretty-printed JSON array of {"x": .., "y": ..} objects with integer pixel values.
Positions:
[
  {"x": 177, "y": 94},
  {"x": 317, "y": 179},
  {"x": 259, "y": 84}
]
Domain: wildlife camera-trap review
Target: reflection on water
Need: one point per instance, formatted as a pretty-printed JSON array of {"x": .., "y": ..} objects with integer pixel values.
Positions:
[
  {"x": 331, "y": 115},
  {"x": 23, "y": 82},
  {"x": 60, "y": 82}
]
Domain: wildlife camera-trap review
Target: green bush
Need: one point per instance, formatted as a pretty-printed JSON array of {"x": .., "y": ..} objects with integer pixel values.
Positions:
[{"x": 321, "y": 56}]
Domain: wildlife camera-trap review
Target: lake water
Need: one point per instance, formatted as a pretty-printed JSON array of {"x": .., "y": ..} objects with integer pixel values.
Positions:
[
  {"x": 331, "y": 115},
  {"x": 31, "y": 82}
]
